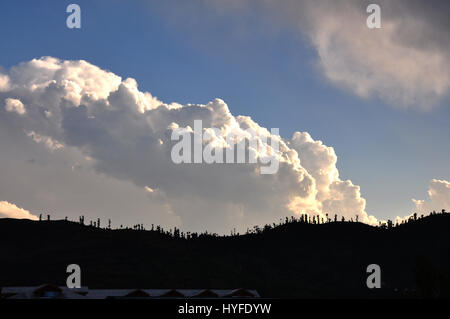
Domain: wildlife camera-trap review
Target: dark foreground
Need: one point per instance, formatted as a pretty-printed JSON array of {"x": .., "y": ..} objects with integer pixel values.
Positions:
[{"x": 294, "y": 260}]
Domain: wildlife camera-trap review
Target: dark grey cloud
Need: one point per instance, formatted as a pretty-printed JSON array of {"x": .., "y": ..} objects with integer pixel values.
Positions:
[{"x": 405, "y": 63}]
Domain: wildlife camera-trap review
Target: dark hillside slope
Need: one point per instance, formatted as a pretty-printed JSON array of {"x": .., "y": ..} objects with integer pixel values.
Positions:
[{"x": 291, "y": 260}]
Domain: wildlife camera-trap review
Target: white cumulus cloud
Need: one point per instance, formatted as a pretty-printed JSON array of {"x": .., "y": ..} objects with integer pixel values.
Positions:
[
  {"x": 127, "y": 135},
  {"x": 15, "y": 105}
]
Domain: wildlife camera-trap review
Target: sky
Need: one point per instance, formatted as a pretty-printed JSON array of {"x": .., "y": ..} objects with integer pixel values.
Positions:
[{"x": 377, "y": 99}]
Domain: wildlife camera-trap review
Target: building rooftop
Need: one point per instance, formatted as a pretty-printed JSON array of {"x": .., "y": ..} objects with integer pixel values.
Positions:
[{"x": 49, "y": 291}]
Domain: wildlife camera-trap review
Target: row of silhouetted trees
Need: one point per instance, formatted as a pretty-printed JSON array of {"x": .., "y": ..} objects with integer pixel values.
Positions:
[{"x": 302, "y": 219}]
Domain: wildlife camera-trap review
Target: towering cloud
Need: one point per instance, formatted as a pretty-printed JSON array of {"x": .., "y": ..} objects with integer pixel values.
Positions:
[{"x": 125, "y": 134}]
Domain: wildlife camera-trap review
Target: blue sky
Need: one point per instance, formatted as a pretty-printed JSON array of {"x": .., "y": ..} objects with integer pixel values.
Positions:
[{"x": 272, "y": 76}]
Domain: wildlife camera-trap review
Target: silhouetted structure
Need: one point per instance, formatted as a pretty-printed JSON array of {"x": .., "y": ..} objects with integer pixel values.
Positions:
[{"x": 56, "y": 292}]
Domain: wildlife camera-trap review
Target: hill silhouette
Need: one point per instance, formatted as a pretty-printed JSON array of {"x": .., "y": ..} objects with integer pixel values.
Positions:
[{"x": 294, "y": 259}]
